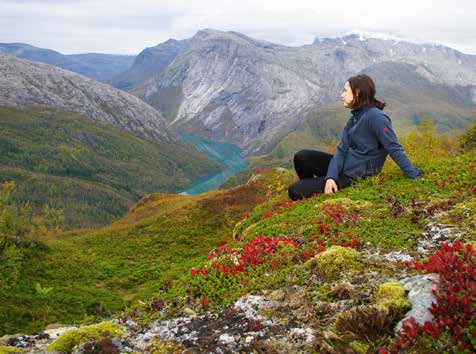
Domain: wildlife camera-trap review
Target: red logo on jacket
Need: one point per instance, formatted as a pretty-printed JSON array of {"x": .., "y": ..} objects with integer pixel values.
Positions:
[{"x": 385, "y": 129}]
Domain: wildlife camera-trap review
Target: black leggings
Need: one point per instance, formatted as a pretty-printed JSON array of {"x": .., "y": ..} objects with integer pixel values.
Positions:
[{"x": 311, "y": 168}]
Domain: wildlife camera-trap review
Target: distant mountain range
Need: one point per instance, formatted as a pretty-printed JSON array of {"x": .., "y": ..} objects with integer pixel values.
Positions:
[
  {"x": 100, "y": 67},
  {"x": 231, "y": 87}
]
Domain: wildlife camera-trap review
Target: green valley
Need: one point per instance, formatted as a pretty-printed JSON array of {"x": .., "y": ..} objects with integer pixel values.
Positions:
[{"x": 93, "y": 171}]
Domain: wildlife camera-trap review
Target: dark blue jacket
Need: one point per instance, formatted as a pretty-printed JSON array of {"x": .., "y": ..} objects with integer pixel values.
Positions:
[{"x": 366, "y": 140}]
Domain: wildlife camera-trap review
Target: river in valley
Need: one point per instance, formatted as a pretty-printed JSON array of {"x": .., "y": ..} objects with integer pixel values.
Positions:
[{"x": 226, "y": 154}]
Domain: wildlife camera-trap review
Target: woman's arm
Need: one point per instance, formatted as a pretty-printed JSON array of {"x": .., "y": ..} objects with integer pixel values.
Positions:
[
  {"x": 337, "y": 161},
  {"x": 381, "y": 125}
]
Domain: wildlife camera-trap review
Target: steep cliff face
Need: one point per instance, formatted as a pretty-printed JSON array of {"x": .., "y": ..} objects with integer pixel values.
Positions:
[
  {"x": 24, "y": 82},
  {"x": 236, "y": 88},
  {"x": 228, "y": 86}
]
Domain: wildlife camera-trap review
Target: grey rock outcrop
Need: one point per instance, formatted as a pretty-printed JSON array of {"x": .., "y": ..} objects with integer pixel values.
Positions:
[{"x": 421, "y": 297}]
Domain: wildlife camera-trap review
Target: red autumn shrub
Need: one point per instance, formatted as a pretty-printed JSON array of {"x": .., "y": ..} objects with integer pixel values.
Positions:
[
  {"x": 279, "y": 206},
  {"x": 454, "y": 311},
  {"x": 252, "y": 254},
  {"x": 335, "y": 212},
  {"x": 450, "y": 180},
  {"x": 333, "y": 233},
  {"x": 244, "y": 216}
]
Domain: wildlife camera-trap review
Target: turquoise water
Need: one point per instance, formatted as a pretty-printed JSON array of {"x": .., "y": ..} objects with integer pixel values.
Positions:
[{"x": 226, "y": 154}]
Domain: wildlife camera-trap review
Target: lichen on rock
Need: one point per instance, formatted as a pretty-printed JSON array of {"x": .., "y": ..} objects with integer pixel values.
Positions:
[
  {"x": 391, "y": 297},
  {"x": 359, "y": 347},
  {"x": 335, "y": 262},
  {"x": 10, "y": 350},
  {"x": 165, "y": 346},
  {"x": 70, "y": 338},
  {"x": 464, "y": 214}
]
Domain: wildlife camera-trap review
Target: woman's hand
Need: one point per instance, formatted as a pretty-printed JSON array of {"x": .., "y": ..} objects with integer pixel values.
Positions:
[{"x": 330, "y": 187}]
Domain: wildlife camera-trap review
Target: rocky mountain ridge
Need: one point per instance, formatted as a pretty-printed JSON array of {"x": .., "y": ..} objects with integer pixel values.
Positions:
[
  {"x": 229, "y": 86},
  {"x": 24, "y": 82},
  {"x": 96, "y": 66}
]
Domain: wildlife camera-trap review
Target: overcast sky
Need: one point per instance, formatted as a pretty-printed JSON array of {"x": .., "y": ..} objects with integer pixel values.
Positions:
[{"x": 127, "y": 27}]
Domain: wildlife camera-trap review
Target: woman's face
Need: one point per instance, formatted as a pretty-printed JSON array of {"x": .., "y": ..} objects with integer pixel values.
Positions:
[{"x": 346, "y": 96}]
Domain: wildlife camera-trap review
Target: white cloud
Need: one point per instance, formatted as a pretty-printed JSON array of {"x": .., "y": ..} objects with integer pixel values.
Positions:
[{"x": 120, "y": 26}]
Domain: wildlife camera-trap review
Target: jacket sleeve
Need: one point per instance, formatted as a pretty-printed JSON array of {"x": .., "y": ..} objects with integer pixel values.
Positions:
[
  {"x": 382, "y": 127},
  {"x": 337, "y": 162}
]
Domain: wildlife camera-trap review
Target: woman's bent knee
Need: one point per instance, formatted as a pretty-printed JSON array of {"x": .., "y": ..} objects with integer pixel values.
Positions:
[
  {"x": 307, "y": 154},
  {"x": 300, "y": 155},
  {"x": 292, "y": 192}
]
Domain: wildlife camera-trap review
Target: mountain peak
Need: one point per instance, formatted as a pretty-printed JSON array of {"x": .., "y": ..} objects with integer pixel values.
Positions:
[
  {"x": 18, "y": 45},
  {"x": 170, "y": 41},
  {"x": 363, "y": 36},
  {"x": 209, "y": 33}
]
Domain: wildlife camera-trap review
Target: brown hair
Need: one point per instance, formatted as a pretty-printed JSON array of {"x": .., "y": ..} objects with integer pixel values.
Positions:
[{"x": 363, "y": 90}]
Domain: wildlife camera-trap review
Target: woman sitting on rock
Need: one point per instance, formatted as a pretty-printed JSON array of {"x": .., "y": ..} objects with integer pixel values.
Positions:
[{"x": 367, "y": 139}]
